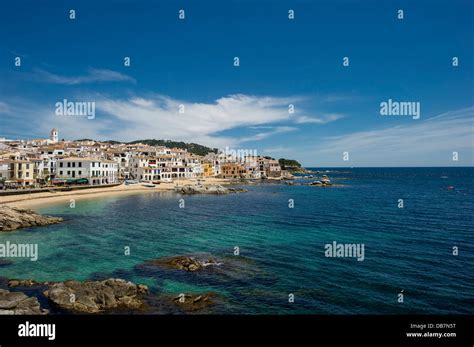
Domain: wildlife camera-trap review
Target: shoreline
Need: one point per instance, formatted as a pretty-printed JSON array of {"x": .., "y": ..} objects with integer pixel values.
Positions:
[{"x": 47, "y": 198}]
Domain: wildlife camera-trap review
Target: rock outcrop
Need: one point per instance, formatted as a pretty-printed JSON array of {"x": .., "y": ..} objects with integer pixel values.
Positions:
[
  {"x": 12, "y": 218},
  {"x": 96, "y": 296},
  {"x": 16, "y": 303},
  {"x": 194, "y": 302},
  {"x": 207, "y": 189},
  {"x": 23, "y": 283},
  {"x": 186, "y": 263}
]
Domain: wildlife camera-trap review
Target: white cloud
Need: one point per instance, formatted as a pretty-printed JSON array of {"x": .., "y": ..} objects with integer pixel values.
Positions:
[
  {"x": 318, "y": 120},
  {"x": 278, "y": 151},
  {"x": 158, "y": 117},
  {"x": 92, "y": 76},
  {"x": 254, "y": 117},
  {"x": 419, "y": 142},
  {"x": 265, "y": 134},
  {"x": 4, "y": 108}
]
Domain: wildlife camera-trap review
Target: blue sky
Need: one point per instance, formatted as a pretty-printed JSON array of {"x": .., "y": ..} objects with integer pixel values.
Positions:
[{"x": 190, "y": 62}]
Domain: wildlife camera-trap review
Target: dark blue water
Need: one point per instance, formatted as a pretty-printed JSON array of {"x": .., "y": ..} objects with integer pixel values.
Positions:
[{"x": 281, "y": 248}]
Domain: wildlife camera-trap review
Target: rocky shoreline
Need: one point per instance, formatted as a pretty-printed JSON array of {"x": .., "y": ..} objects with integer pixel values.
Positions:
[
  {"x": 73, "y": 296},
  {"x": 12, "y": 218},
  {"x": 96, "y": 296},
  {"x": 107, "y": 296},
  {"x": 207, "y": 189},
  {"x": 17, "y": 303}
]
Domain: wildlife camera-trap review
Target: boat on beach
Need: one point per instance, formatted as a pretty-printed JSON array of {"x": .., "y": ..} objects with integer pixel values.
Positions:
[{"x": 148, "y": 185}]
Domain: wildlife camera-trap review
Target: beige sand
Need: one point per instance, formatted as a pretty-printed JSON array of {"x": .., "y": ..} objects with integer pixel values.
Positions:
[{"x": 33, "y": 201}]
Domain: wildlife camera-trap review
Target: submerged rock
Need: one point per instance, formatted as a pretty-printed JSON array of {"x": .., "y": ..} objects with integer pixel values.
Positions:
[
  {"x": 12, "y": 218},
  {"x": 23, "y": 283},
  {"x": 194, "y": 302},
  {"x": 237, "y": 190},
  {"x": 5, "y": 262},
  {"x": 16, "y": 303},
  {"x": 96, "y": 296},
  {"x": 186, "y": 263}
]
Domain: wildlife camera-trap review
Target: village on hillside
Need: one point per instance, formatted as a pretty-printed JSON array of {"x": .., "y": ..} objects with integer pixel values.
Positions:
[{"x": 50, "y": 162}]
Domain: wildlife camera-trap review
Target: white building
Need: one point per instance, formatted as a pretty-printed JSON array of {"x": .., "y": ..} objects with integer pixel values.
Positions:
[
  {"x": 97, "y": 171},
  {"x": 146, "y": 168},
  {"x": 4, "y": 170},
  {"x": 54, "y": 136}
]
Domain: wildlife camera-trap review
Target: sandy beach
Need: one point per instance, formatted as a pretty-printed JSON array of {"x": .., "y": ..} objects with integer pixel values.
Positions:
[{"x": 36, "y": 200}]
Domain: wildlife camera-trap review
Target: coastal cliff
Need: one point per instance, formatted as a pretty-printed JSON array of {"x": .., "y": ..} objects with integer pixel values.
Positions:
[{"x": 12, "y": 218}]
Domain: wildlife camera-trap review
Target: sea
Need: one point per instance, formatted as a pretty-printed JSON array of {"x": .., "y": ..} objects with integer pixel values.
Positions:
[{"x": 415, "y": 225}]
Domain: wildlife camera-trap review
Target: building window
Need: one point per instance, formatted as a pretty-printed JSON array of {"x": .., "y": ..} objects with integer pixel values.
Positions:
[
  {"x": 61, "y": 164},
  {"x": 73, "y": 164},
  {"x": 79, "y": 164},
  {"x": 69, "y": 173},
  {"x": 61, "y": 173},
  {"x": 80, "y": 173},
  {"x": 68, "y": 164}
]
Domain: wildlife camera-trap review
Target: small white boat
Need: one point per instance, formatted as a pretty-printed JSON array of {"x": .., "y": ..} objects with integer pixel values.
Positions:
[
  {"x": 127, "y": 182},
  {"x": 149, "y": 185}
]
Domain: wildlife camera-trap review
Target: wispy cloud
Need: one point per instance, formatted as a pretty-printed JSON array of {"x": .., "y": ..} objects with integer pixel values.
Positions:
[
  {"x": 326, "y": 118},
  {"x": 278, "y": 151},
  {"x": 419, "y": 142},
  {"x": 4, "y": 108},
  {"x": 266, "y": 134},
  {"x": 92, "y": 76}
]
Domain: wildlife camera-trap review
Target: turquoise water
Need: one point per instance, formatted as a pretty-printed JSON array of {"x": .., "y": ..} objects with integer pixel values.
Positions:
[{"x": 281, "y": 248}]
